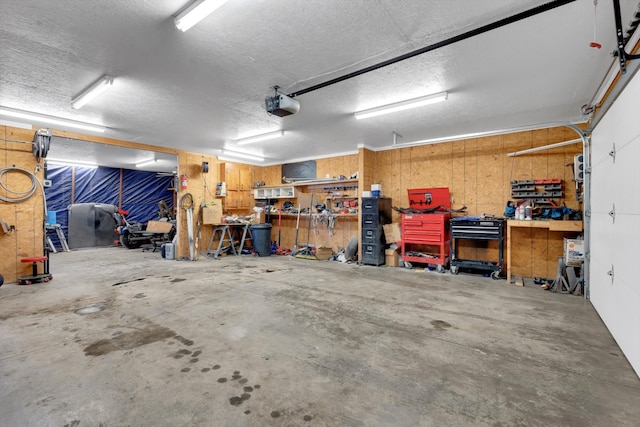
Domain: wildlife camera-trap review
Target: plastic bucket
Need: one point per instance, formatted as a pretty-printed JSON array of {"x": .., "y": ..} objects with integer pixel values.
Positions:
[
  {"x": 168, "y": 250},
  {"x": 261, "y": 239}
]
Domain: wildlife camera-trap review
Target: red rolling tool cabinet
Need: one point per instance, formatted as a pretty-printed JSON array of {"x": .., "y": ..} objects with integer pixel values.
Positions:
[{"x": 426, "y": 236}]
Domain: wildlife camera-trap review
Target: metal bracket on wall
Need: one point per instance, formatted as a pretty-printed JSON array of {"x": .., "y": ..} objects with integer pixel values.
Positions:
[
  {"x": 612, "y": 214},
  {"x": 612, "y": 153},
  {"x": 611, "y": 274}
]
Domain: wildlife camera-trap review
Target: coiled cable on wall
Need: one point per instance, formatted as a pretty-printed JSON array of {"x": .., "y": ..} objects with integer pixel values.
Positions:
[{"x": 21, "y": 196}]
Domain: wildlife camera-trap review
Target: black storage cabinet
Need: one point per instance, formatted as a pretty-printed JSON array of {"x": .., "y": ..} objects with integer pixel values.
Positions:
[
  {"x": 477, "y": 229},
  {"x": 376, "y": 212}
]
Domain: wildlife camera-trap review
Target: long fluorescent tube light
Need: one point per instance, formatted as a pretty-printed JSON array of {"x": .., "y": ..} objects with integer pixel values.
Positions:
[
  {"x": 242, "y": 155},
  {"x": 72, "y": 163},
  {"x": 40, "y": 118},
  {"x": 403, "y": 105},
  {"x": 96, "y": 88},
  {"x": 258, "y": 138},
  {"x": 196, "y": 12},
  {"x": 146, "y": 163}
]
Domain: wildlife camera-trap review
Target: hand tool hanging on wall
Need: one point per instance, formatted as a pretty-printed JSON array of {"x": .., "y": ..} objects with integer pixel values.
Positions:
[
  {"x": 307, "y": 252},
  {"x": 295, "y": 241},
  {"x": 186, "y": 203}
]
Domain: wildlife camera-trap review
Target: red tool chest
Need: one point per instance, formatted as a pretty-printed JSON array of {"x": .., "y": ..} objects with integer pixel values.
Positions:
[{"x": 426, "y": 236}]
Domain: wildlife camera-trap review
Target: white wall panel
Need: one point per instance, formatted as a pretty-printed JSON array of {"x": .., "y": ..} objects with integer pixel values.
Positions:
[{"x": 617, "y": 243}]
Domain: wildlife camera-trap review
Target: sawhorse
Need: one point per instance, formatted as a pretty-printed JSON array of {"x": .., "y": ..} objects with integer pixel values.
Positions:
[{"x": 222, "y": 233}]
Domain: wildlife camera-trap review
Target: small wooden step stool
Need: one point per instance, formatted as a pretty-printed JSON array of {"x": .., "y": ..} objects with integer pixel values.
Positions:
[{"x": 35, "y": 277}]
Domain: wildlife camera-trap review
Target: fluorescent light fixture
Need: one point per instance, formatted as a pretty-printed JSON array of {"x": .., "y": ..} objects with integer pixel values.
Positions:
[
  {"x": 96, "y": 88},
  {"x": 71, "y": 163},
  {"x": 41, "y": 118},
  {"x": 403, "y": 105},
  {"x": 146, "y": 163},
  {"x": 195, "y": 13},
  {"x": 258, "y": 138},
  {"x": 242, "y": 155}
]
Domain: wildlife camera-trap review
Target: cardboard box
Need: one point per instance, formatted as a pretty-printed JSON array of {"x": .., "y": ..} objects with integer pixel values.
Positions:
[
  {"x": 324, "y": 253},
  {"x": 573, "y": 252},
  {"x": 159, "y": 226},
  {"x": 392, "y": 232},
  {"x": 212, "y": 214},
  {"x": 391, "y": 257}
]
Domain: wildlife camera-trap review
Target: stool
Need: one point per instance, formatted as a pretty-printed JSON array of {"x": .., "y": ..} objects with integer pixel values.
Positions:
[{"x": 35, "y": 277}]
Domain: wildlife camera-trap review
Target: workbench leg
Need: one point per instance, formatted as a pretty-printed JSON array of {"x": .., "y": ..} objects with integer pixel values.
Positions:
[{"x": 508, "y": 253}]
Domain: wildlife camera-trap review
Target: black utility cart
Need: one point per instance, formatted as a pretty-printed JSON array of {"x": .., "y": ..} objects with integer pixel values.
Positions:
[{"x": 472, "y": 228}]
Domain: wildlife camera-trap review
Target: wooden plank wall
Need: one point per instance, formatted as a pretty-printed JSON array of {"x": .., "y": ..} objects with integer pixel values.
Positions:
[
  {"x": 26, "y": 216},
  {"x": 334, "y": 167},
  {"x": 478, "y": 173},
  {"x": 202, "y": 188}
]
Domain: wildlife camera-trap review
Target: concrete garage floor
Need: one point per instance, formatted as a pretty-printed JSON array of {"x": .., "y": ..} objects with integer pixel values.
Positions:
[{"x": 247, "y": 341}]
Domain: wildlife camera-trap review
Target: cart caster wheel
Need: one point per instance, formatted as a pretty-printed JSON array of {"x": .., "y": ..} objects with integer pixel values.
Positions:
[
  {"x": 407, "y": 264},
  {"x": 495, "y": 275},
  {"x": 440, "y": 269},
  {"x": 27, "y": 282},
  {"x": 45, "y": 280},
  {"x": 455, "y": 269}
]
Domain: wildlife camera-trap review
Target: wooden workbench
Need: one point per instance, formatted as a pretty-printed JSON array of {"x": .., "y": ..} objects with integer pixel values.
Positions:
[{"x": 550, "y": 225}]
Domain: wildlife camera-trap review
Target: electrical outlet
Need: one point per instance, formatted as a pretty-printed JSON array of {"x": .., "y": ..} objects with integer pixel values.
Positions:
[{"x": 46, "y": 183}]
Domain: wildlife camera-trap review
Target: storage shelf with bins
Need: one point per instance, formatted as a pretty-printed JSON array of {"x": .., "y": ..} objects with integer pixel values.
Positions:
[{"x": 285, "y": 192}]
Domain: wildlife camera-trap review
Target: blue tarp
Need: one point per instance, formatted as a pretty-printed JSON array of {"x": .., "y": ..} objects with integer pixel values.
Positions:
[{"x": 141, "y": 192}]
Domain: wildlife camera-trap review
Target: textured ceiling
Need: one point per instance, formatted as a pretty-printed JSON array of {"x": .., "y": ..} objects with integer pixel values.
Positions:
[{"x": 203, "y": 89}]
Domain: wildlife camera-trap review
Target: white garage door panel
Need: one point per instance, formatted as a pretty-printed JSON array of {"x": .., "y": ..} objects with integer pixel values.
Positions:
[
  {"x": 601, "y": 261},
  {"x": 617, "y": 244},
  {"x": 627, "y": 176},
  {"x": 626, "y": 253},
  {"x": 603, "y": 181}
]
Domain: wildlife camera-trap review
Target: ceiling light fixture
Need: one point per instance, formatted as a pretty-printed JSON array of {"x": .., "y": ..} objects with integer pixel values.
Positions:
[
  {"x": 71, "y": 163},
  {"x": 403, "y": 105},
  {"x": 196, "y": 12},
  {"x": 34, "y": 118},
  {"x": 95, "y": 89},
  {"x": 258, "y": 138},
  {"x": 242, "y": 155},
  {"x": 146, "y": 163}
]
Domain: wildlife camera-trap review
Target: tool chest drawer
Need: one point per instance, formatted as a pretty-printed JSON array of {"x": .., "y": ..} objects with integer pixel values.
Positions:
[{"x": 477, "y": 229}]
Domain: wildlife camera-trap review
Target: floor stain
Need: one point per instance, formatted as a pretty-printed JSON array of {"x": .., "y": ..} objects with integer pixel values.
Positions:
[
  {"x": 139, "y": 296},
  {"x": 222, "y": 380},
  {"x": 205, "y": 369},
  {"x": 440, "y": 324},
  {"x": 176, "y": 280},
  {"x": 185, "y": 369},
  {"x": 129, "y": 340},
  {"x": 183, "y": 340},
  {"x": 214, "y": 367},
  {"x": 243, "y": 381},
  {"x": 307, "y": 418},
  {"x": 194, "y": 360},
  {"x": 275, "y": 414},
  {"x": 196, "y": 353}
]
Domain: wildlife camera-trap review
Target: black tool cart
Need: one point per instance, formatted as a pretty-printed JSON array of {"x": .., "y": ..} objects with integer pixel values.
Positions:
[{"x": 477, "y": 229}]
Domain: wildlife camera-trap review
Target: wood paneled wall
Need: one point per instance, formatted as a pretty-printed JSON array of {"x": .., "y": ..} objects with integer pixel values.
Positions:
[
  {"x": 202, "y": 187},
  {"x": 27, "y": 216},
  {"x": 478, "y": 174}
]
